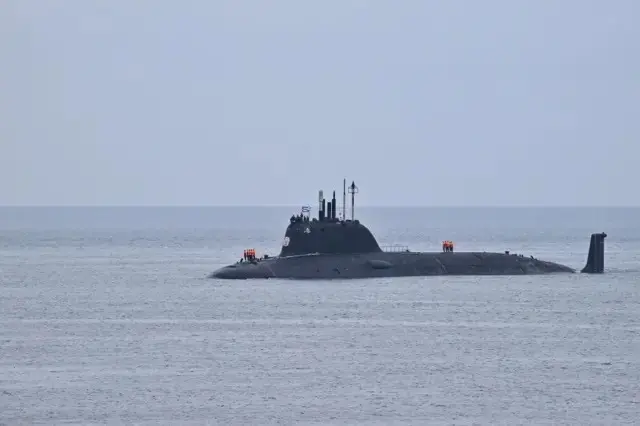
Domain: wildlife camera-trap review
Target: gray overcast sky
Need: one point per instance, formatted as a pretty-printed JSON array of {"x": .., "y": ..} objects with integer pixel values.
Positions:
[{"x": 264, "y": 102}]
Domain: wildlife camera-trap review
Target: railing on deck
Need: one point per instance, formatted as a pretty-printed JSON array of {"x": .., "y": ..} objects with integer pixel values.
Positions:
[
  {"x": 395, "y": 248},
  {"x": 306, "y": 211}
]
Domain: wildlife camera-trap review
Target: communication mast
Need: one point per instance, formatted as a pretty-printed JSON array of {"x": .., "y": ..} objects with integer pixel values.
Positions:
[
  {"x": 344, "y": 199},
  {"x": 353, "y": 190}
]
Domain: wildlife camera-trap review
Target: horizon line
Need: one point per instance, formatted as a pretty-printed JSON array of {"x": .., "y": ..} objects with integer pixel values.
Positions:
[{"x": 296, "y": 206}]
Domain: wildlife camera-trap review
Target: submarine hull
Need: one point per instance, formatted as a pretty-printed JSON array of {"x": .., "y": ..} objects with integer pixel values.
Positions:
[
  {"x": 384, "y": 264},
  {"x": 328, "y": 247}
]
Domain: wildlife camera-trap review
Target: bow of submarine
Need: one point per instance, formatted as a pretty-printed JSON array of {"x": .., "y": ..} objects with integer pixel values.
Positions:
[{"x": 243, "y": 271}]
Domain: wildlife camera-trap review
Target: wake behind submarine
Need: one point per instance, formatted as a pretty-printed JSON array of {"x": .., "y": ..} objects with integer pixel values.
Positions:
[{"x": 328, "y": 247}]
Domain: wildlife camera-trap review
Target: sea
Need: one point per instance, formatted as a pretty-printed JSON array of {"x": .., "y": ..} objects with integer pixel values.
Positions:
[{"x": 107, "y": 317}]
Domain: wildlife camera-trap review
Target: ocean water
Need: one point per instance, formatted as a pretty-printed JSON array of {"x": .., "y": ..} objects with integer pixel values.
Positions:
[{"x": 106, "y": 317}]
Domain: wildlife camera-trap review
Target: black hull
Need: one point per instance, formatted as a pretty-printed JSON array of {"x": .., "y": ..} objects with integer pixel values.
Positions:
[{"x": 382, "y": 264}]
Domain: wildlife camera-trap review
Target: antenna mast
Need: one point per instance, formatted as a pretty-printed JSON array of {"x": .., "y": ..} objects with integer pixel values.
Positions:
[
  {"x": 344, "y": 199},
  {"x": 353, "y": 190}
]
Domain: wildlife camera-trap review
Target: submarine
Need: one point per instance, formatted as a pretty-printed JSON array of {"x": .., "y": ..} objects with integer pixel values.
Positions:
[{"x": 331, "y": 247}]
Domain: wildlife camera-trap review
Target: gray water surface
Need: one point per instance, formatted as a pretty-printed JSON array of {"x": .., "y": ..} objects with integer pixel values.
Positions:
[{"x": 111, "y": 321}]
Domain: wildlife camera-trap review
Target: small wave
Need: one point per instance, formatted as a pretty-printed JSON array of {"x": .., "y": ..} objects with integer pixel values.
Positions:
[{"x": 320, "y": 322}]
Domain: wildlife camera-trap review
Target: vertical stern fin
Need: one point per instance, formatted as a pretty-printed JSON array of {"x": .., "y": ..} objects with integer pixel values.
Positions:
[{"x": 595, "y": 258}]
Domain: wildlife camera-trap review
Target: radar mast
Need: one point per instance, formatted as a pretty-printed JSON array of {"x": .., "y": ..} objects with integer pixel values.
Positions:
[{"x": 353, "y": 190}]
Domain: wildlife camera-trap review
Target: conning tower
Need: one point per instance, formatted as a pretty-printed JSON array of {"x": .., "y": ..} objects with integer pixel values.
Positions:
[{"x": 328, "y": 234}]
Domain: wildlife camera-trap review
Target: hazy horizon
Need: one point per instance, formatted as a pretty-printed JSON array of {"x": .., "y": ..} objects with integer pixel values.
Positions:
[
  {"x": 314, "y": 208},
  {"x": 615, "y": 220}
]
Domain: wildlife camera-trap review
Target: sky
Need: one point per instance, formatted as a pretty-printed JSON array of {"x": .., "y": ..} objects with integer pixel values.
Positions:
[{"x": 239, "y": 102}]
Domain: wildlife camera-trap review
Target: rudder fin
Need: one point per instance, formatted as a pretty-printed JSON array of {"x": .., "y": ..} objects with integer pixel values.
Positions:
[{"x": 595, "y": 259}]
